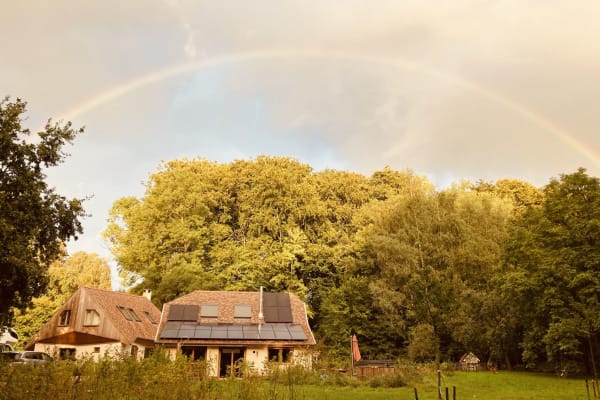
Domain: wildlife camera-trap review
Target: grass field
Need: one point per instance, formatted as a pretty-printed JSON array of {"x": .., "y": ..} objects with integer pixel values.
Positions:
[
  {"x": 469, "y": 385},
  {"x": 161, "y": 379}
]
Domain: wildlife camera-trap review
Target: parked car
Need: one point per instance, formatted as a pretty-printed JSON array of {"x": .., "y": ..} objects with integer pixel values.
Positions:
[
  {"x": 5, "y": 347},
  {"x": 26, "y": 357},
  {"x": 9, "y": 356}
]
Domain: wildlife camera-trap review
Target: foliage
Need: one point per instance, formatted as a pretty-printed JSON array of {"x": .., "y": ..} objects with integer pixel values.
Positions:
[
  {"x": 428, "y": 257},
  {"x": 553, "y": 260},
  {"x": 411, "y": 270},
  {"x": 160, "y": 378},
  {"x": 65, "y": 276},
  {"x": 34, "y": 220}
]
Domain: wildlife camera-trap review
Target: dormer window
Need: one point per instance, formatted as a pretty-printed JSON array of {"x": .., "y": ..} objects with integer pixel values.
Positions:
[
  {"x": 149, "y": 316},
  {"x": 65, "y": 318},
  {"x": 242, "y": 311},
  {"x": 129, "y": 314},
  {"x": 92, "y": 318},
  {"x": 209, "y": 311},
  {"x": 134, "y": 315}
]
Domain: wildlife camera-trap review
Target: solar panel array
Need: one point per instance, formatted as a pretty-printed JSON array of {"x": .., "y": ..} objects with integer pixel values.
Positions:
[
  {"x": 268, "y": 331},
  {"x": 277, "y": 307}
]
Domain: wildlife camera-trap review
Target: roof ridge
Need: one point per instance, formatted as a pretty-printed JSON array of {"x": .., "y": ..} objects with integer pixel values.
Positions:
[{"x": 113, "y": 291}]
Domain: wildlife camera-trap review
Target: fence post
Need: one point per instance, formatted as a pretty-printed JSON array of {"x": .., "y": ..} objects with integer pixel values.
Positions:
[
  {"x": 416, "y": 394},
  {"x": 439, "y": 384},
  {"x": 453, "y": 392}
]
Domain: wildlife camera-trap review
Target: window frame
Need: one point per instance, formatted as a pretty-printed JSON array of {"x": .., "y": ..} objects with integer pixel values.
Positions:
[
  {"x": 93, "y": 321},
  {"x": 206, "y": 308},
  {"x": 65, "y": 318}
]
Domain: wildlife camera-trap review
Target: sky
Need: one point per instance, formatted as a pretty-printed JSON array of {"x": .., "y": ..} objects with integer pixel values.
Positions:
[{"x": 450, "y": 89}]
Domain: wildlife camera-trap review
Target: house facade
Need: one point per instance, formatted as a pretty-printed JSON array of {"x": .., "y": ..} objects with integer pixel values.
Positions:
[
  {"x": 224, "y": 328},
  {"x": 96, "y": 322}
]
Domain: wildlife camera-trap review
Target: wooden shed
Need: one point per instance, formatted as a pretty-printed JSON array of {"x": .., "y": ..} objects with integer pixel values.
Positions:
[{"x": 469, "y": 362}]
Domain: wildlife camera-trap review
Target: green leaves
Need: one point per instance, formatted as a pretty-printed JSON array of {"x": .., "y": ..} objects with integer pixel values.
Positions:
[
  {"x": 34, "y": 220},
  {"x": 556, "y": 249}
]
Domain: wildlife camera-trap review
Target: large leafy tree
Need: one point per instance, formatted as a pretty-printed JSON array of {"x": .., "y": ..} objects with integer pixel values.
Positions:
[
  {"x": 553, "y": 264},
  {"x": 65, "y": 276},
  {"x": 34, "y": 219},
  {"x": 429, "y": 257}
]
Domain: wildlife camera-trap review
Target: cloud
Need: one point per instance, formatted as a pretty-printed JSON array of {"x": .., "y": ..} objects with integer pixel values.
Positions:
[{"x": 461, "y": 89}]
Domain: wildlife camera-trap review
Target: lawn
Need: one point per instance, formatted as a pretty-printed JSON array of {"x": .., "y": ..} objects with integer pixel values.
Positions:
[
  {"x": 469, "y": 385},
  {"x": 161, "y": 379}
]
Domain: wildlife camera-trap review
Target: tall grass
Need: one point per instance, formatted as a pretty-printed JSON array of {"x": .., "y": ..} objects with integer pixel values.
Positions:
[{"x": 160, "y": 378}]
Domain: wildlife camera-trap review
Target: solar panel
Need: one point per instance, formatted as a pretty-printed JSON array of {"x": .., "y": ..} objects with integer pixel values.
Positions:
[
  {"x": 219, "y": 332},
  {"x": 202, "y": 332},
  {"x": 266, "y": 332},
  {"x": 297, "y": 333},
  {"x": 170, "y": 334},
  {"x": 175, "y": 312},
  {"x": 182, "y": 312},
  {"x": 186, "y": 331},
  {"x": 250, "y": 331},
  {"x": 190, "y": 313},
  {"x": 282, "y": 334},
  {"x": 271, "y": 331},
  {"x": 277, "y": 307},
  {"x": 235, "y": 332}
]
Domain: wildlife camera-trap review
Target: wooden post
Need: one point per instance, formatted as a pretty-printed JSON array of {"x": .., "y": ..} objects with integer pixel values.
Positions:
[
  {"x": 439, "y": 384},
  {"x": 416, "y": 394},
  {"x": 447, "y": 397},
  {"x": 351, "y": 356},
  {"x": 453, "y": 392}
]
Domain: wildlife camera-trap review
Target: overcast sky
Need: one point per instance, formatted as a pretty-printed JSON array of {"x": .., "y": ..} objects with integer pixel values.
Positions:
[{"x": 452, "y": 89}]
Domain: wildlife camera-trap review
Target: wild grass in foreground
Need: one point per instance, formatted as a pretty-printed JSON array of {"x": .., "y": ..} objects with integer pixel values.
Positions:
[{"x": 158, "y": 378}]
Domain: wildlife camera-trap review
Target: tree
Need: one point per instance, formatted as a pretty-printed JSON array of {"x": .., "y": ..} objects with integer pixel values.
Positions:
[
  {"x": 429, "y": 257},
  {"x": 552, "y": 264},
  {"x": 65, "y": 276},
  {"x": 34, "y": 220}
]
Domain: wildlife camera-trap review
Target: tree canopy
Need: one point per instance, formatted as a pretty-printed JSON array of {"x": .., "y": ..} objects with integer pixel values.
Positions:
[
  {"x": 65, "y": 276},
  {"x": 503, "y": 269},
  {"x": 34, "y": 220}
]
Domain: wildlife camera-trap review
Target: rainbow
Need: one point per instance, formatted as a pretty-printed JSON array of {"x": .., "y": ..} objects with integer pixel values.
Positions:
[{"x": 508, "y": 103}]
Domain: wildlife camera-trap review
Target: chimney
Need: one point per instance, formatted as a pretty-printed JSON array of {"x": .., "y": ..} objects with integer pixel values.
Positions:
[{"x": 147, "y": 294}]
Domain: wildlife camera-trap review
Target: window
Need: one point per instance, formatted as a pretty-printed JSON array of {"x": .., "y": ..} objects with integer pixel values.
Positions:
[
  {"x": 242, "y": 311},
  {"x": 129, "y": 314},
  {"x": 92, "y": 318},
  {"x": 125, "y": 313},
  {"x": 66, "y": 353},
  {"x": 134, "y": 315},
  {"x": 149, "y": 316},
  {"x": 280, "y": 355},
  {"x": 194, "y": 353},
  {"x": 209, "y": 311},
  {"x": 65, "y": 318},
  {"x": 97, "y": 349}
]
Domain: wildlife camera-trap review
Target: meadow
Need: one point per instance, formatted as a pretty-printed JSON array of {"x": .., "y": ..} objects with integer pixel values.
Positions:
[{"x": 158, "y": 378}]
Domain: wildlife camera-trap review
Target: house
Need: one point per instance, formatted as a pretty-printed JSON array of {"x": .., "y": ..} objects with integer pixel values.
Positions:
[
  {"x": 224, "y": 328},
  {"x": 95, "y": 322},
  {"x": 469, "y": 362}
]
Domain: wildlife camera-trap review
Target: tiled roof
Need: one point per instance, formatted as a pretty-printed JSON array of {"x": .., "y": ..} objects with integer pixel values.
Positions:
[
  {"x": 110, "y": 301},
  {"x": 112, "y": 326},
  {"x": 227, "y": 301}
]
